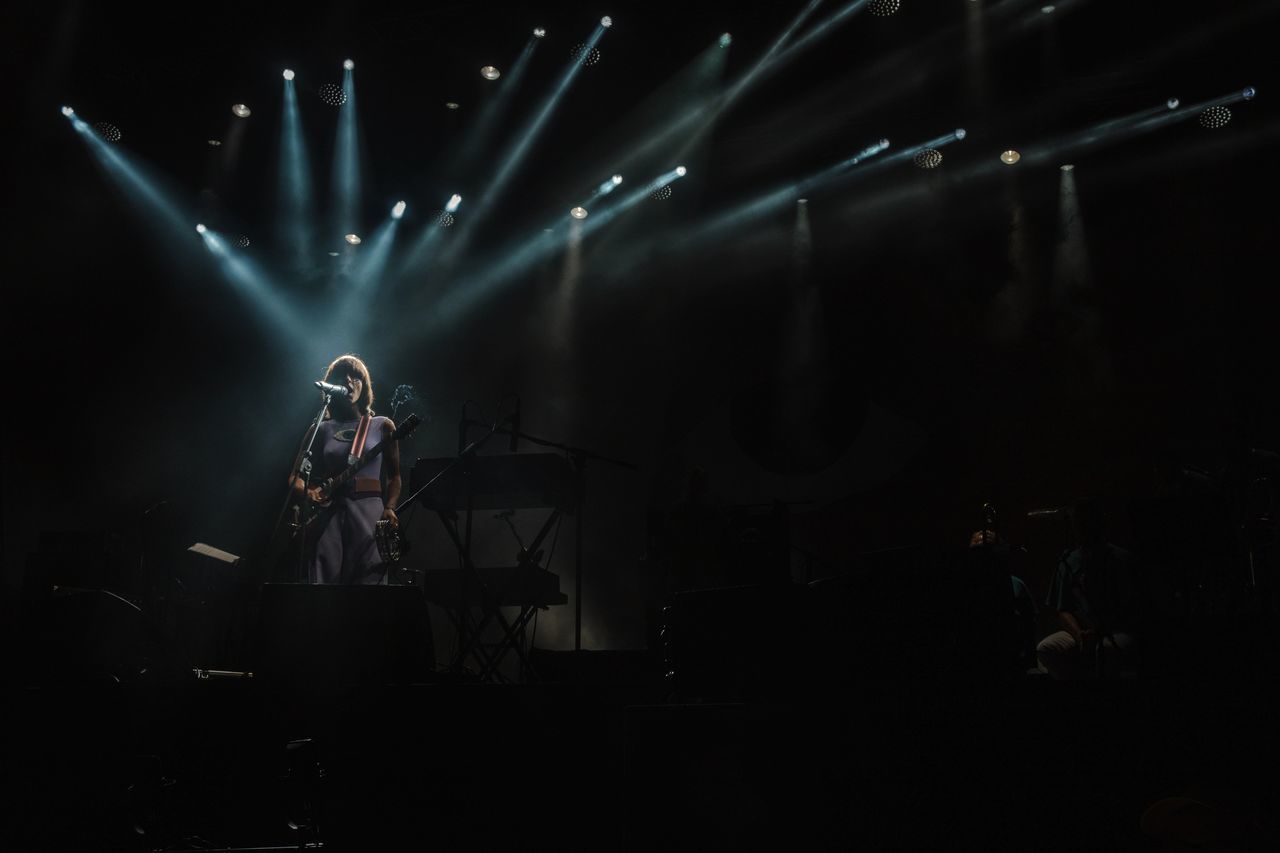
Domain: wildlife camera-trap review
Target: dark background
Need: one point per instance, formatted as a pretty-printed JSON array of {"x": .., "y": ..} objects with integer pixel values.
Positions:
[{"x": 952, "y": 370}]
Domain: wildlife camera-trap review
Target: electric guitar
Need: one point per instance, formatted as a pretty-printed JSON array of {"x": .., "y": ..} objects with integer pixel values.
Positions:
[{"x": 331, "y": 485}]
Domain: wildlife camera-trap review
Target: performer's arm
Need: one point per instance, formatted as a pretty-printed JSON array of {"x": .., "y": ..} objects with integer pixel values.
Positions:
[
  {"x": 1084, "y": 634},
  {"x": 391, "y": 463}
]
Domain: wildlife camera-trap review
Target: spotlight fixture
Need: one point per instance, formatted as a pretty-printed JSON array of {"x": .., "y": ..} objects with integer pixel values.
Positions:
[
  {"x": 397, "y": 210},
  {"x": 1010, "y": 157},
  {"x": 108, "y": 131},
  {"x": 681, "y": 171},
  {"x": 454, "y": 201},
  {"x": 1215, "y": 117},
  {"x": 961, "y": 133},
  {"x": 332, "y": 94},
  {"x": 214, "y": 143},
  {"x": 539, "y": 32},
  {"x": 443, "y": 218},
  {"x": 726, "y": 40},
  {"x": 585, "y": 55},
  {"x": 1172, "y": 103},
  {"x": 1047, "y": 9},
  {"x": 1249, "y": 93},
  {"x": 1067, "y": 167},
  {"x": 802, "y": 201},
  {"x": 578, "y": 213},
  {"x": 200, "y": 229},
  {"x": 334, "y": 254},
  {"x": 490, "y": 73},
  {"x": 617, "y": 179},
  {"x": 606, "y": 22},
  {"x": 884, "y": 143},
  {"x": 450, "y": 105},
  {"x": 68, "y": 112},
  {"x": 241, "y": 110},
  {"x": 242, "y": 242},
  {"x": 929, "y": 158},
  {"x": 353, "y": 239},
  {"x": 288, "y": 74},
  {"x": 348, "y": 64},
  {"x": 883, "y": 8},
  {"x": 662, "y": 193}
]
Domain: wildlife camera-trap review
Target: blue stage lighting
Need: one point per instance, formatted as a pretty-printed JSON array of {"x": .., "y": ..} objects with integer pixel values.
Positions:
[
  {"x": 454, "y": 201},
  {"x": 681, "y": 171},
  {"x": 1249, "y": 93},
  {"x": 961, "y": 133},
  {"x": 397, "y": 210},
  {"x": 726, "y": 40},
  {"x": 241, "y": 111},
  {"x": 578, "y": 213},
  {"x": 353, "y": 239},
  {"x": 539, "y": 32},
  {"x": 200, "y": 229},
  {"x": 68, "y": 112},
  {"x": 616, "y": 179},
  {"x": 490, "y": 73},
  {"x": 606, "y": 21},
  {"x": 348, "y": 64},
  {"x": 288, "y": 74},
  {"x": 1172, "y": 103}
]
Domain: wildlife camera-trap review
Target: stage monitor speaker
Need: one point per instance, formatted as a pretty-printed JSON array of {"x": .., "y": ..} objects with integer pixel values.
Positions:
[{"x": 328, "y": 637}]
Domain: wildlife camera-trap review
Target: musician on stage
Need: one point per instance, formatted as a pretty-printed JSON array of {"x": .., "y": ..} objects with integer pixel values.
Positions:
[{"x": 339, "y": 545}]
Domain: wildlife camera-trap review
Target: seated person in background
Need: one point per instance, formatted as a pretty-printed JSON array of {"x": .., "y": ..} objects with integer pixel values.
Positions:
[
  {"x": 1023, "y": 610},
  {"x": 1094, "y": 595}
]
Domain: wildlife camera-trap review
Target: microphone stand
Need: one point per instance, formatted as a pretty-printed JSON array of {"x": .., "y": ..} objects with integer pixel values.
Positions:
[{"x": 304, "y": 471}]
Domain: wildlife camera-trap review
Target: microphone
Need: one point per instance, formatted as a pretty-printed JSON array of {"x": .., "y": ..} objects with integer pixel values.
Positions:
[
  {"x": 515, "y": 428},
  {"x": 1045, "y": 513},
  {"x": 339, "y": 390}
]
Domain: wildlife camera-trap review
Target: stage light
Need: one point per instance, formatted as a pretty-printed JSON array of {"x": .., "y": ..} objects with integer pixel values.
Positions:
[
  {"x": 1249, "y": 93},
  {"x": 726, "y": 40},
  {"x": 662, "y": 193},
  {"x": 539, "y": 32},
  {"x": 681, "y": 171},
  {"x": 928, "y": 158},
  {"x": 454, "y": 201},
  {"x": 490, "y": 73},
  {"x": 961, "y": 133},
  {"x": 585, "y": 55},
  {"x": 332, "y": 94},
  {"x": 241, "y": 110},
  {"x": 1215, "y": 117},
  {"x": 578, "y": 213},
  {"x": 1172, "y": 103},
  {"x": 348, "y": 64},
  {"x": 1067, "y": 167},
  {"x": 606, "y": 21},
  {"x": 68, "y": 112},
  {"x": 1047, "y": 9},
  {"x": 242, "y": 242},
  {"x": 616, "y": 179},
  {"x": 397, "y": 210},
  {"x": 353, "y": 239},
  {"x": 883, "y": 8},
  {"x": 288, "y": 74},
  {"x": 200, "y": 229},
  {"x": 450, "y": 105},
  {"x": 444, "y": 218},
  {"x": 1010, "y": 157},
  {"x": 884, "y": 143},
  {"x": 334, "y": 254},
  {"x": 108, "y": 131}
]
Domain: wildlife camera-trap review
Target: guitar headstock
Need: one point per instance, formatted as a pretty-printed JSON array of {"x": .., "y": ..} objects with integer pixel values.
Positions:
[{"x": 407, "y": 426}]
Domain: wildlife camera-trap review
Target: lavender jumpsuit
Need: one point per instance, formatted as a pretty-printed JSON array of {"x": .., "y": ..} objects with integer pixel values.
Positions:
[{"x": 345, "y": 550}]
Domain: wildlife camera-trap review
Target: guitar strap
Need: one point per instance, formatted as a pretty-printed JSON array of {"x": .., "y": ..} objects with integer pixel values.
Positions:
[{"x": 357, "y": 444}]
